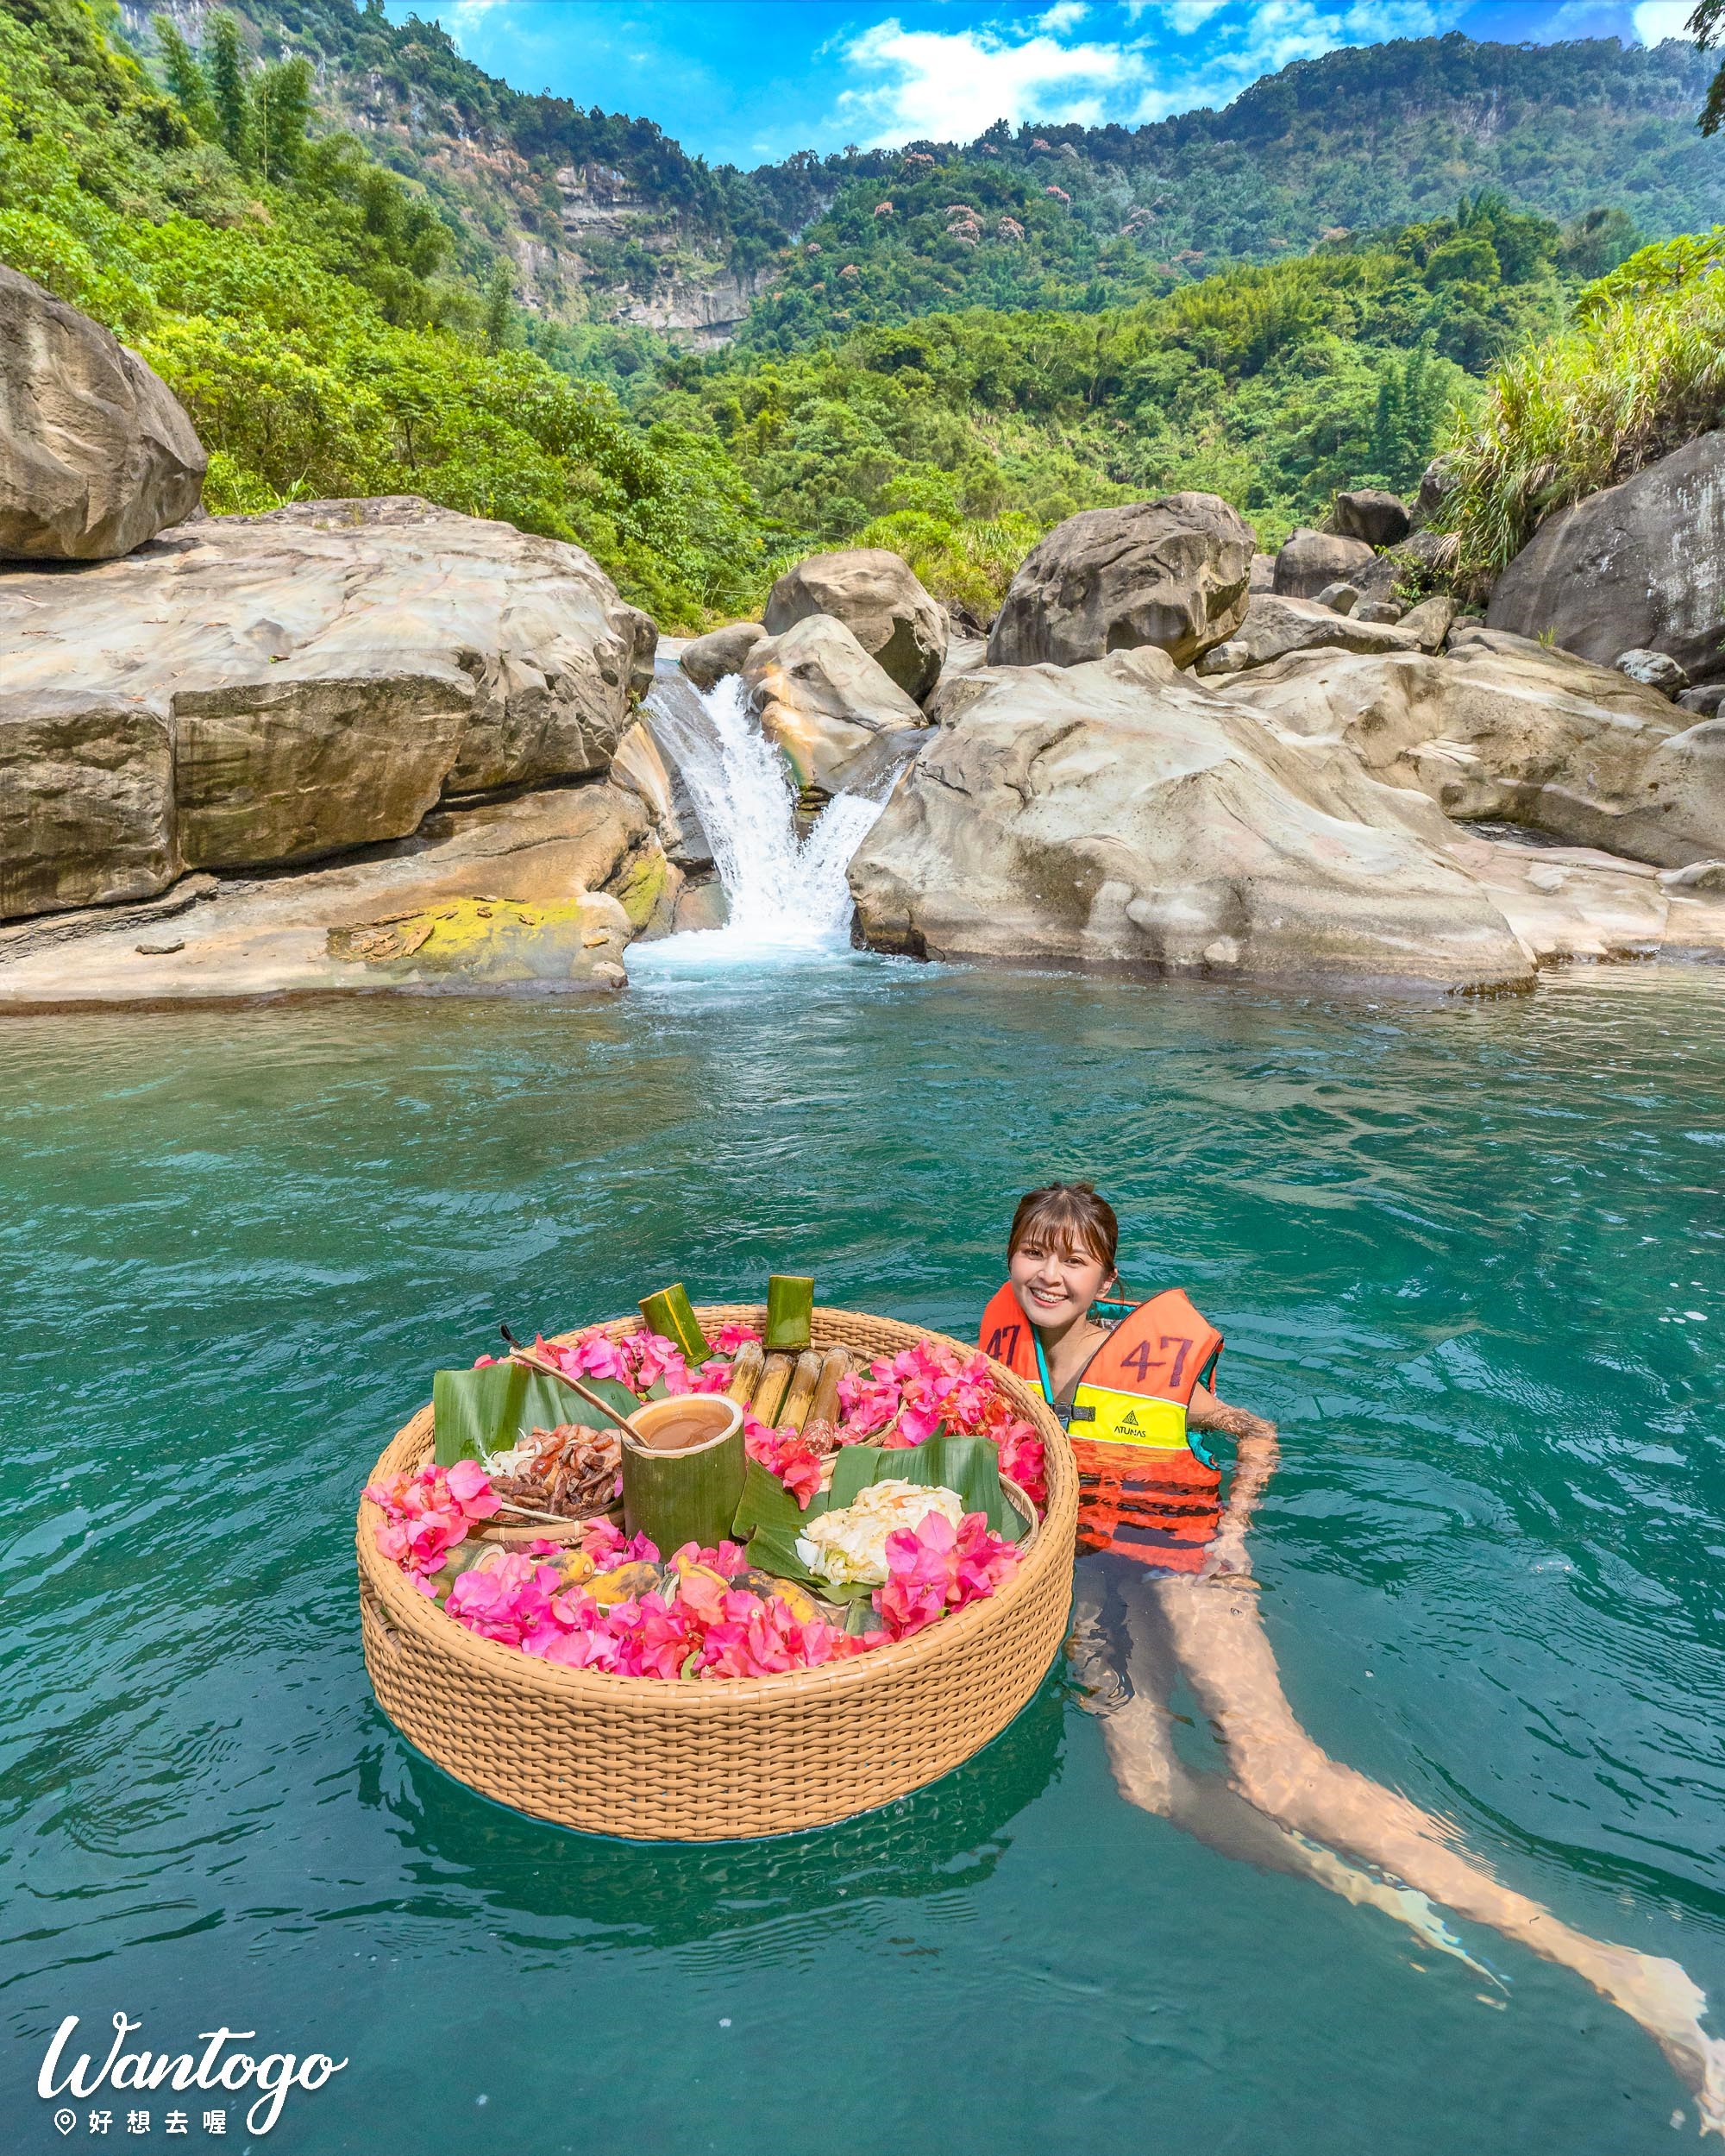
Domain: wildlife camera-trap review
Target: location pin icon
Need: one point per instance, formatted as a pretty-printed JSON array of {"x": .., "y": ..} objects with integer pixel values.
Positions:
[{"x": 66, "y": 2121}]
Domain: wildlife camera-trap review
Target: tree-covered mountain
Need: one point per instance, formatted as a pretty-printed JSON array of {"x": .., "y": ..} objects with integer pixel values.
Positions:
[
  {"x": 603, "y": 219},
  {"x": 341, "y": 325}
]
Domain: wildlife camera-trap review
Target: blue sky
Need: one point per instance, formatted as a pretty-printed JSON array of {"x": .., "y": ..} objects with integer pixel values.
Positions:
[{"x": 745, "y": 81}]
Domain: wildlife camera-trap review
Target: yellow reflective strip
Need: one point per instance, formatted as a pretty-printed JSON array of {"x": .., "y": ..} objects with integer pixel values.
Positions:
[{"x": 1128, "y": 1419}]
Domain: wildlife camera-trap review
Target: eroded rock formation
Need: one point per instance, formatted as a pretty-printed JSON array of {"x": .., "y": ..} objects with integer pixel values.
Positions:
[
  {"x": 258, "y": 690},
  {"x": 1172, "y": 574},
  {"x": 96, "y": 454},
  {"x": 877, "y": 597}
]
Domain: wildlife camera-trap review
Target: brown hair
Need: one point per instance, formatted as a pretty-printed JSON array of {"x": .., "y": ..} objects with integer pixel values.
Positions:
[{"x": 1068, "y": 1213}]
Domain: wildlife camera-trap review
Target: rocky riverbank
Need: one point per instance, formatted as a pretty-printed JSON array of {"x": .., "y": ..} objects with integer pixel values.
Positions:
[{"x": 376, "y": 745}]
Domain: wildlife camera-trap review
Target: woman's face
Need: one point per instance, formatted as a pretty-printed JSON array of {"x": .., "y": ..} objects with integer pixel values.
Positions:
[{"x": 1055, "y": 1284}]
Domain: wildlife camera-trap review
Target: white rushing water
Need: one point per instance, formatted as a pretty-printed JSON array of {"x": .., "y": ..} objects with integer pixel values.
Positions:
[{"x": 788, "y": 897}]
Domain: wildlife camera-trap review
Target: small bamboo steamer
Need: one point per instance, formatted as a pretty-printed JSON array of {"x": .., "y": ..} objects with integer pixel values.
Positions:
[{"x": 656, "y": 1761}]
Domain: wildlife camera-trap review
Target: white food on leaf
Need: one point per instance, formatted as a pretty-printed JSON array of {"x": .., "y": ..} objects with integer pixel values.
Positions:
[{"x": 849, "y": 1547}]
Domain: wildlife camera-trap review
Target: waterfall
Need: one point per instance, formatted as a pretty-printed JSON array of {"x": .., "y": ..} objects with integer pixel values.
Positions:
[{"x": 785, "y": 895}]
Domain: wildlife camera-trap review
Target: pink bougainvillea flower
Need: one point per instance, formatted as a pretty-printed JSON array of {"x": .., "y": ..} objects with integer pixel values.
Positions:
[
  {"x": 606, "y": 1543},
  {"x": 786, "y": 1453},
  {"x": 1024, "y": 1461},
  {"x": 868, "y": 1404},
  {"x": 590, "y": 1355},
  {"x": 731, "y": 1336},
  {"x": 935, "y": 1567},
  {"x": 655, "y": 1357},
  {"x": 427, "y": 1513},
  {"x": 711, "y": 1377},
  {"x": 470, "y": 1486}
]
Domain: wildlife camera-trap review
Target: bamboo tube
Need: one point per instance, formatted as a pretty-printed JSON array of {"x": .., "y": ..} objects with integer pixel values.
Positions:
[
  {"x": 804, "y": 1379},
  {"x": 835, "y": 1365},
  {"x": 683, "y": 1470},
  {"x": 746, "y": 1372},
  {"x": 669, "y": 1315},
  {"x": 820, "y": 1425},
  {"x": 790, "y": 1305},
  {"x": 776, "y": 1375}
]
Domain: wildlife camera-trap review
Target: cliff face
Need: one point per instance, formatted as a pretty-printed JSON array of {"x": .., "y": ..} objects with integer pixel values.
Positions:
[
  {"x": 603, "y": 217},
  {"x": 606, "y": 219}
]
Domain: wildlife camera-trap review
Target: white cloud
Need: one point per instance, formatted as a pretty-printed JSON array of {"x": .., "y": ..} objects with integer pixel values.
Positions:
[
  {"x": 1065, "y": 15},
  {"x": 950, "y": 84},
  {"x": 1183, "y": 16},
  {"x": 1656, "y": 20}
]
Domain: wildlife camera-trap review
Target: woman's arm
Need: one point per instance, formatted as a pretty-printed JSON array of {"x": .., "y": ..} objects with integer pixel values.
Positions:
[{"x": 1255, "y": 1457}]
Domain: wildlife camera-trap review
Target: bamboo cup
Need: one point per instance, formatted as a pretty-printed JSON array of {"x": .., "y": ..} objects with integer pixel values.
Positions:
[{"x": 683, "y": 1467}]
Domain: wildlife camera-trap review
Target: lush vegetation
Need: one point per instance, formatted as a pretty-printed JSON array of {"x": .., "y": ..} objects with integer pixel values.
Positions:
[
  {"x": 959, "y": 438},
  {"x": 336, "y": 328},
  {"x": 1640, "y": 371},
  {"x": 300, "y": 300},
  {"x": 1361, "y": 140}
]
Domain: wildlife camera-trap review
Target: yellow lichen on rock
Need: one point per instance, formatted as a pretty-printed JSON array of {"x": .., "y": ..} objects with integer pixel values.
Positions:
[{"x": 490, "y": 938}]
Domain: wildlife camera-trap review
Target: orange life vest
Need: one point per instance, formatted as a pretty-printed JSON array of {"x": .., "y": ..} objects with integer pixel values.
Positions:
[{"x": 1145, "y": 1487}]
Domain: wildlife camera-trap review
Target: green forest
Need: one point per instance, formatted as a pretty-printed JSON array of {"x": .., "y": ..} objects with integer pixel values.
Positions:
[{"x": 953, "y": 359}]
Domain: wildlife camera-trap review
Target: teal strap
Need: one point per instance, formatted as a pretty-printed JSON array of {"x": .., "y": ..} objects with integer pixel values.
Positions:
[{"x": 1041, "y": 1365}]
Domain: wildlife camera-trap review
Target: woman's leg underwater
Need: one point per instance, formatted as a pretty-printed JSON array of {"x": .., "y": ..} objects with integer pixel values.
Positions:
[
  {"x": 1114, "y": 1624},
  {"x": 1218, "y": 1639}
]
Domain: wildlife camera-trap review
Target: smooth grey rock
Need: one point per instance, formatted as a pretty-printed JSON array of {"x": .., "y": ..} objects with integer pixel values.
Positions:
[
  {"x": 1310, "y": 560},
  {"x": 1383, "y": 612},
  {"x": 1428, "y": 623},
  {"x": 706, "y": 660},
  {"x": 1705, "y": 701},
  {"x": 543, "y": 866},
  {"x": 1436, "y": 485},
  {"x": 1116, "y": 812},
  {"x": 251, "y": 690},
  {"x": 1273, "y": 627},
  {"x": 1262, "y": 576},
  {"x": 1653, "y": 670},
  {"x": 1638, "y": 566},
  {"x": 95, "y": 453},
  {"x": 841, "y": 720},
  {"x": 1699, "y": 875},
  {"x": 1172, "y": 574},
  {"x": 876, "y": 595},
  {"x": 1373, "y": 514},
  {"x": 1340, "y": 598},
  {"x": 1505, "y": 729}
]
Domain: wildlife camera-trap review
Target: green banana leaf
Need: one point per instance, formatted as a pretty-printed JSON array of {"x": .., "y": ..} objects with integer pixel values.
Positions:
[
  {"x": 475, "y": 1412},
  {"x": 770, "y": 1518}
]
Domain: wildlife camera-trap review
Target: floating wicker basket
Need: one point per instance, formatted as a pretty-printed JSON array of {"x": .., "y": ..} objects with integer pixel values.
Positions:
[{"x": 713, "y": 1761}]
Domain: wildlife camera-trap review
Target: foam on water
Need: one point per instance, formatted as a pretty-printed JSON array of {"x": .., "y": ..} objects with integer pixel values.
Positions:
[{"x": 787, "y": 896}]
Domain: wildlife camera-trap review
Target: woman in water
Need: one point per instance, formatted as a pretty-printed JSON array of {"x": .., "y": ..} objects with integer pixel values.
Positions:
[{"x": 1164, "y": 1589}]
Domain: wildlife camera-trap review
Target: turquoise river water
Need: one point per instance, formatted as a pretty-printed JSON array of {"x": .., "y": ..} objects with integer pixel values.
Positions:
[{"x": 1468, "y": 1256}]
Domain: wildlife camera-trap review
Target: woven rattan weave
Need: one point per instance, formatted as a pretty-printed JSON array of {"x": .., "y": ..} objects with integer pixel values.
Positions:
[{"x": 713, "y": 1761}]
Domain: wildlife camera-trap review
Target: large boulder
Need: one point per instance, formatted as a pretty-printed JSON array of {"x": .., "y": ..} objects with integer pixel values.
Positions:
[
  {"x": 841, "y": 720},
  {"x": 1276, "y": 626},
  {"x": 96, "y": 454},
  {"x": 1310, "y": 560},
  {"x": 1506, "y": 729},
  {"x": 1372, "y": 513},
  {"x": 876, "y": 596},
  {"x": 707, "y": 660},
  {"x": 1638, "y": 566},
  {"x": 254, "y": 690},
  {"x": 1173, "y": 573},
  {"x": 1119, "y": 813}
]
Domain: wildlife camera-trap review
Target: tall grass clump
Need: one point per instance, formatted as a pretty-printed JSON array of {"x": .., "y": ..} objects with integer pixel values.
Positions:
[{"x": 1640, "y": 372}]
